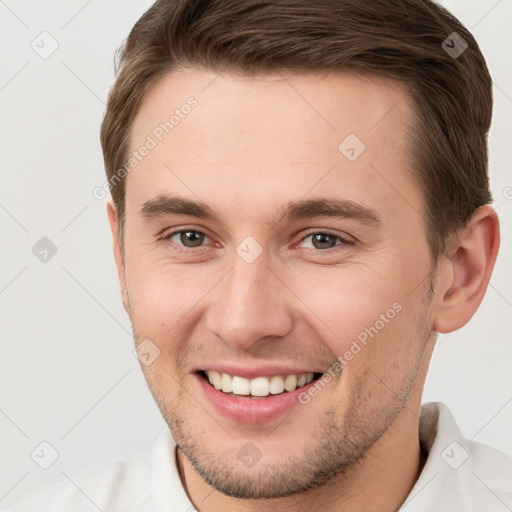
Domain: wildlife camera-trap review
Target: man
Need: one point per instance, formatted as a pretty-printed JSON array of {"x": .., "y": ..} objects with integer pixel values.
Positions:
[{"x": 300, "y": 203}]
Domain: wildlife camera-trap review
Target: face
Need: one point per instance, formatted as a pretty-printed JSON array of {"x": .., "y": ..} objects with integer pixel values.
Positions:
[{"x": 277, "y": 264}]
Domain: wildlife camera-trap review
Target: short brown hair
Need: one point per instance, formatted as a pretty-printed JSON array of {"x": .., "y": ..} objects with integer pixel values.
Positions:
[{"x": 399, "y": 39}]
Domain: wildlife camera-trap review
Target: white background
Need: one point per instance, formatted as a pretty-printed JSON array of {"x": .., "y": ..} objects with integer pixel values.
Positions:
[{"x": 67, "y": 373}]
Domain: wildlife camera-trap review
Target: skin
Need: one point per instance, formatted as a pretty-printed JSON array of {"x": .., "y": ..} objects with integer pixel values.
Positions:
[{"x": 251, "y": 147}]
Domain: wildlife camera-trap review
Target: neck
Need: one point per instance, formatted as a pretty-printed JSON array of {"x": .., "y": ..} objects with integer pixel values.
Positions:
[{"x": 380, "y": 481}]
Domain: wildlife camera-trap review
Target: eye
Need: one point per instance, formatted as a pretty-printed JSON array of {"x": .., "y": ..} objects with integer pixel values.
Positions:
[
  {"x": 322, "y": 240},
  {"x": 188, "y": 238}
]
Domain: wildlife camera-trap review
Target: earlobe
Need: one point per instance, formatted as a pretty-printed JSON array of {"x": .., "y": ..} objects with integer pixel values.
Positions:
[
  {"x": 118, "y": 254},
  {"x": 470, "y": 266}
]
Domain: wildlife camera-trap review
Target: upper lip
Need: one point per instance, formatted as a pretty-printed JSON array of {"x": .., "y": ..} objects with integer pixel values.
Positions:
[{"x": 251, "y": 372}]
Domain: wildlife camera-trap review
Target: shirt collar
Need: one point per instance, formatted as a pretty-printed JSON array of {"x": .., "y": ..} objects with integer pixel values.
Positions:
[
  {"x": 458, "y": 472},
  {"x": 169, "y": 494}
]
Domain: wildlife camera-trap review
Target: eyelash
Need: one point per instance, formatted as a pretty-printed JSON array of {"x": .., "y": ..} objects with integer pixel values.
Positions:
[
  {"x": 183, "y": 249},
  {"x": 343, "y": 242}
]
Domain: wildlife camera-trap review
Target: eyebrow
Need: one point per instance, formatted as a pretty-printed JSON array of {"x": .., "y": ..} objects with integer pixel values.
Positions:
[
  {"x": 340, "y": 208},
  {"x": 163, "y": 205}
]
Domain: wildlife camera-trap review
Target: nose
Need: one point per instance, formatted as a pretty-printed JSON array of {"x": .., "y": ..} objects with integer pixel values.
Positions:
[{"x": 250, "y": 304}]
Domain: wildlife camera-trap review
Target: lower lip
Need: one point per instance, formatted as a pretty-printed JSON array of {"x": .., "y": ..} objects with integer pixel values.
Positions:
[{"x": 250, "y": 410}]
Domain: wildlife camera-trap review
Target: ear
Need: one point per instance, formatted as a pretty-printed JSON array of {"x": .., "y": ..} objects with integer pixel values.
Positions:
[
  {"x": 118, "y": 254},
  {"x": 468, "y": 270}
]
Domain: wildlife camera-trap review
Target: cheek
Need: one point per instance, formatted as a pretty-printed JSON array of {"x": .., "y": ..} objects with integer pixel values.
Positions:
[
  {"x": 367, "y": 315},
  {"x": 344, "y": 302},
  {"x": 162, "y": 298}
]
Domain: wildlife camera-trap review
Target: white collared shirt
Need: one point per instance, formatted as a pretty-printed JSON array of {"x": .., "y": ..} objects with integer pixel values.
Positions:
[{"x": 459, "y": 475}]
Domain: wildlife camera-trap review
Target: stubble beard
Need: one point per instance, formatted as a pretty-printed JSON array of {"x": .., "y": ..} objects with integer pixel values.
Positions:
[{"x": 336, "y": 444}]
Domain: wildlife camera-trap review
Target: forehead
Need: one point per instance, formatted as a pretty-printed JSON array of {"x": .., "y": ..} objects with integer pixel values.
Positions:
[
  {"x": 232, "y": 135},
  {"x": 328, "y": 103}
]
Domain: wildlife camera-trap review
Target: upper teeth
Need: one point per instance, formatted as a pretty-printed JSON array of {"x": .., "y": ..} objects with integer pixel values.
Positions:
[{"x": 260, "y": 386}]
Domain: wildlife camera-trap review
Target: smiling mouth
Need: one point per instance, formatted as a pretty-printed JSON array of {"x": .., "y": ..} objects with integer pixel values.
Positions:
[{"x": 259, "y": 387}]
